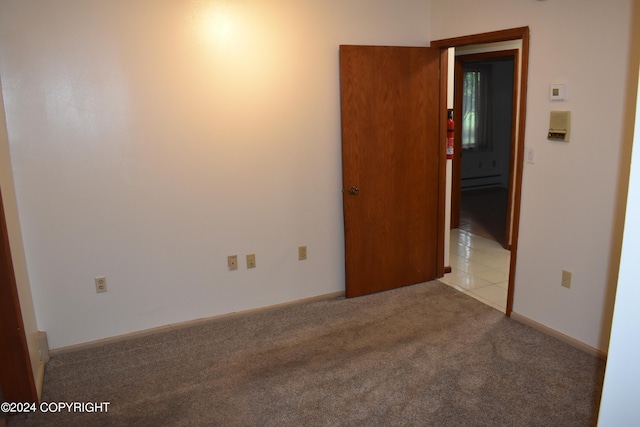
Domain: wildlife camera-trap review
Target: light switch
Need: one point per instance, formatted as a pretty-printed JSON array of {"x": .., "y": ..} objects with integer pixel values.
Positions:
[{"x": 531, "y": 155}]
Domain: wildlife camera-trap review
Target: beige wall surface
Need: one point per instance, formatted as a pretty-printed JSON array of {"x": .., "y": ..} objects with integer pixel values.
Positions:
[{"x": 151, "y": 139}]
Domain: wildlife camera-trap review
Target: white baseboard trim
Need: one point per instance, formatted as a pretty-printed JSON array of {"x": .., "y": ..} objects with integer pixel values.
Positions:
[
  {"x": 43, "y": 346},
  {"x": 39, "y": 379},
  {"x": 175, "y": 326},
  {"x": 559, "y": 335},
  {"x": 43, "y": 358}
]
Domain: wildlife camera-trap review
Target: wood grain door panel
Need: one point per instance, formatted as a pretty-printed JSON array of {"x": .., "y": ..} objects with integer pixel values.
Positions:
[{"x": 390, "y": 102}]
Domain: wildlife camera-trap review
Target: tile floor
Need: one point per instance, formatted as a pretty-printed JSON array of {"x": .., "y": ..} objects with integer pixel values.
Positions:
[{"x": 479, "y": 268}]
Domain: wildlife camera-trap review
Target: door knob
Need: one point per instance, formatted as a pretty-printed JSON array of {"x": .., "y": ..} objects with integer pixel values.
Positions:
[{"x": 354, "y": 191}]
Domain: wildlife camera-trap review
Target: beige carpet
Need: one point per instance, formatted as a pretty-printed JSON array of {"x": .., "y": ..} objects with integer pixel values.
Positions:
[{"x": 423, "y": 355}]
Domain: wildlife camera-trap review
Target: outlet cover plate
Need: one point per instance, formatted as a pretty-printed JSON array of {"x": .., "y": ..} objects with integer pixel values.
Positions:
[
  {"x": 251, "y": 261},
  {"x": 232, "y": 262},
  {"x": 566, "y": 279},
  {"x": 101, "y": 284}
]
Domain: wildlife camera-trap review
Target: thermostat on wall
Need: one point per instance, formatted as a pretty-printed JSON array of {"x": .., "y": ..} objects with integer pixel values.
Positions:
[{"x": 558, "y": 92}]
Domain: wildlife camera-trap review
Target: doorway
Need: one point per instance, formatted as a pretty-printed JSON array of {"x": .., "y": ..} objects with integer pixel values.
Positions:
[
  {"x": 485, "y": 103},
  {"x": 522, "y": 35},
  {"x": 485, "y": 94}
]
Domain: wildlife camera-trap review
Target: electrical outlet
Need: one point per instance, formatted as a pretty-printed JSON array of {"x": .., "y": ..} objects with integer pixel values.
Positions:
[
  {"x": 101, "y": 284},
  {"x": 566, "y": 278},
  {"x": 232, "y": 260},
  {"x": 302, "y": 253},
  {"x": 251, "y": 261}
]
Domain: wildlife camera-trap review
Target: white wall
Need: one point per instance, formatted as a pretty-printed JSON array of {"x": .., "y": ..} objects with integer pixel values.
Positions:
[
  {"x": 151, "y": 139},
  {"x": 572, "y": 197},
  {"x": 621, "y": 392}
]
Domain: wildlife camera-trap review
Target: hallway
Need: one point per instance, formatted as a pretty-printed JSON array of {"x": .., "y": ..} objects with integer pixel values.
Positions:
[
  {"x": 479, "y": 268},
  {"x": 479, "y": 263}
]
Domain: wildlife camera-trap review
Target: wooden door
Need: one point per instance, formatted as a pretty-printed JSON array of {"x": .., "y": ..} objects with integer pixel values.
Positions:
[
  {"x": 16, "y": 375},
  {"x": 393, "y": 166}
]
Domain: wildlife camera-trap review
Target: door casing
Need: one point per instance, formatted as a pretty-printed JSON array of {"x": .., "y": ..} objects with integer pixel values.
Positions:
[
  {"x": 520, "y": 33},
  {"x": 16, "y": 374}
]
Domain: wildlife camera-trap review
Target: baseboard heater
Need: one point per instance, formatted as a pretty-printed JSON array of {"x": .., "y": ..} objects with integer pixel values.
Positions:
[{"x": 481, "y": 181}]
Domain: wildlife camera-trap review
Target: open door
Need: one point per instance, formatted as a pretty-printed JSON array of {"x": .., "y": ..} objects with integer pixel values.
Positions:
[
  {"x": 16, "y": 376},
  {"x": 520, "y": 33},
  {"x": 393, "y": 166}
]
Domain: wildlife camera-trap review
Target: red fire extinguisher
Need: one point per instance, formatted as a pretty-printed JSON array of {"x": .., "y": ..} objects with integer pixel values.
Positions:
[{"x": 450, "y": 135}]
